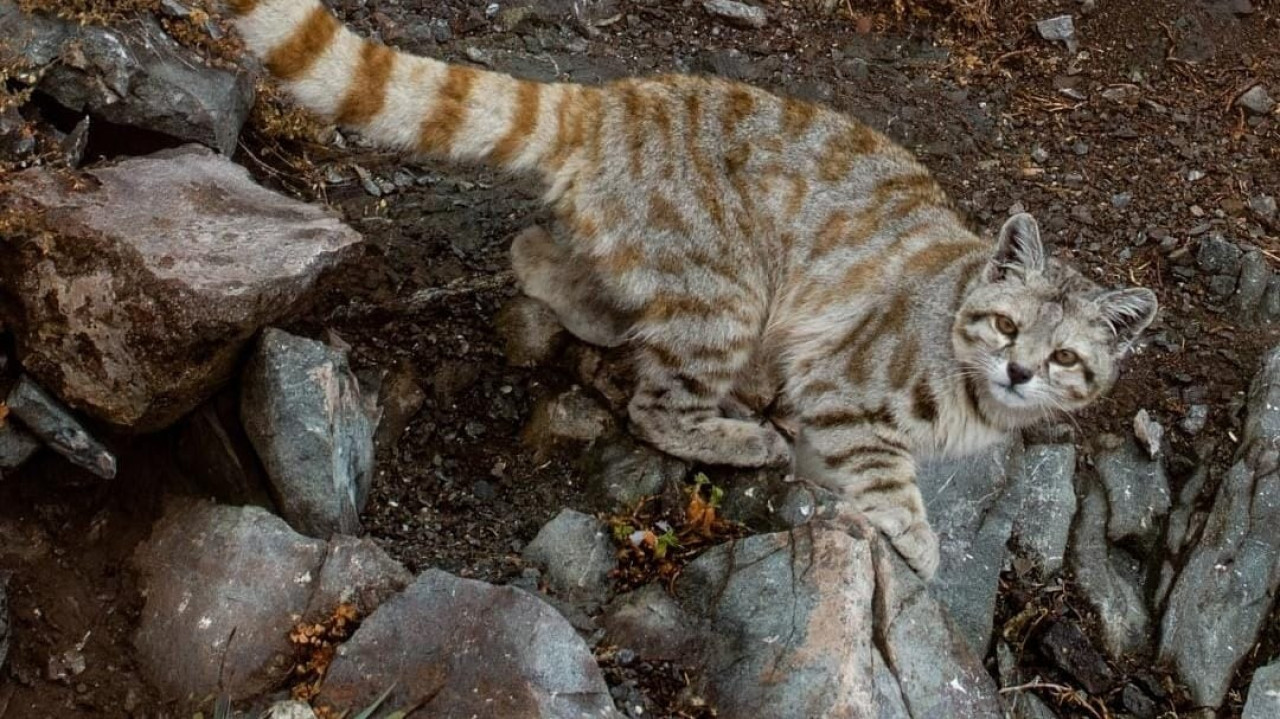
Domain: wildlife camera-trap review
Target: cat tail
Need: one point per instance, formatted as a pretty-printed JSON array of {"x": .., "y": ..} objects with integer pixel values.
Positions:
[{"x": 410, "y": 103}]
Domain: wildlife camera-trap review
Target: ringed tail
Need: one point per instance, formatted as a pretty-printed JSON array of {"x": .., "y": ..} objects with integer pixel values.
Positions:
[{"x": 410, "y": 103}]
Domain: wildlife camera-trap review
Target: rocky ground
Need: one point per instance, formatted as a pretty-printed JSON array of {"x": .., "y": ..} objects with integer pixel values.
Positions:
[{"x": 1082, "y": 565}]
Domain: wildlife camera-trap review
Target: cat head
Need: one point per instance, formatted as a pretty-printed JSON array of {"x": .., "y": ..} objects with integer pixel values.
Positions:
[{"x": 1033, "y": 335}]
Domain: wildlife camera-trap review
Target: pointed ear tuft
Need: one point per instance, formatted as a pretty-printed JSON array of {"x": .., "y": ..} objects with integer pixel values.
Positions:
[
  {"x": 1128, "y": 312},
  {"x": 1019, "y": 246}
]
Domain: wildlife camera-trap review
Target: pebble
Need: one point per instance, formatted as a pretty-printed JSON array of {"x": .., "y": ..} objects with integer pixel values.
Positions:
[
  {"x": 1263, "y": 206},
  {"x": 1121, "y": 199},
  {"x": 1039, "y": 154},
  {"x": 1257, "y": 101},
  {"x": 1195, "y": 175},
  {"x": 51, "y": 421},
  {"x": 1149, "y": 433},
  {"x": 736, "y": 13},
  {"x": 1122, "y": 94},
  {"x": 1060, "y": 28},
  {"x": 1197, "y": 417}
]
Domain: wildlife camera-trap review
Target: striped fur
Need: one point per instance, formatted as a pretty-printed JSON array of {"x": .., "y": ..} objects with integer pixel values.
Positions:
[{"x": 753, "y": 250}]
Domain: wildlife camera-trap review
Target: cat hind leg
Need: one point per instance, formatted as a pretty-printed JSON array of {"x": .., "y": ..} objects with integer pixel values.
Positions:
[{"x": 546, "y": 271}]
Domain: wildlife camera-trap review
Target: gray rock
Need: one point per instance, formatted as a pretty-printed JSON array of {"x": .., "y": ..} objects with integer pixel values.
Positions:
[
  {"x": 1021, "y": 704},
  {"x": 1228, "y": 583},
  {"x": 1110, "y": 579},
  {"x": 1271, "y": 300},
  {"x": 530, "y": 331},
  {"x": 54, "y": 424},
  {"x": 225, "y": 585},
  {"x": 567, "y": 419},
  {"x": 940, "y": 677},
  {"x": 136, "y": 76},
  {"x": 805, "y": 502},
  {"x": 789, "y": 623},
  {"x": 357, "y": 572},
  {"x": 1255, "y": 273},
  {"x": 290, "y": 710},
  {"x": 1257, "y": 101},
  {"x": 620, "y": 472},
  {"x": 1218, "y": 256},
  {"x": 471, "y": 649},
  {"x": 1137, "y": 491},
  {"x": 971, "y": 510},
  {"x": 1066, "y": 645},
  {"x": 1148, "y": 432},
  {"x": 16, "y": 446},
  {"x": 151, "y": 276},
  {"x": 1263, "y": 206},
  {"x": 74, "y": 144},
  {"x": 1197, "y": 417},
  {"x": 303, "y": 410},
  {"x": 577, "y": 554},
  {"x": 1042, "y": 526},
  {"x": 889, "y": 703},
  {"x": 736, "y": 13},
  {"x": 1061, "y": 28},
  {"x": 401, "y": 397},
  {"x": 651, "y": 623},
  {"x": 1138, "y": 703},
  {"x": 1264, "y": 693},
  {"x": 17, "y": 140}
]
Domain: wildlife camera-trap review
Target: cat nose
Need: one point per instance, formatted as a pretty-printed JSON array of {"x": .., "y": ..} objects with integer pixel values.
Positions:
[{"x": 1019, "y": 374}]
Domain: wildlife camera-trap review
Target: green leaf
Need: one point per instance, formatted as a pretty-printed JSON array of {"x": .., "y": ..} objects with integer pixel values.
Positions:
[
  {"x": 665, "y": 541},
  {"x": 717, "y": 496}
]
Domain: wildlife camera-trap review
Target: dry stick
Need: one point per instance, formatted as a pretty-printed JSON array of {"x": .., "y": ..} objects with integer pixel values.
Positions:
[{"x": 422, "y": 299}]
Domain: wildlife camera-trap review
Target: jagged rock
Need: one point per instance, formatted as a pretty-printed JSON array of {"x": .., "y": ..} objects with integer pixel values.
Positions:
[
  {"x": 569, "y": 418},
  {"x": 1110, "y": 578},
  {"x": 216, "y": 456},
  {"x": 1264, "y": 693},
  {"x": 303, "y": 410},
  {"x": 789, "y": 623},
  {"x": 1066, "y": 645},
  {"x": 1148, "y": 432},
  {"x": 1137, "y": 491},
  {"x": 1044, "y": 482},
  {"x": 577, "y": 553},
  {"x": 290, "y": 710},
  {"x": 1060, "y": 28},
  {"x": 1022, "y": 704},
  {"x": 939, "y": 674},
  {"x": 1229, "y": 581},
  {"x": 132, "y": 289},
  {"x": 53, "y": 423},
  {"x": 651, "y": 623},
  {"x": 737, "y": 13},
  {"x": 1257, "y": 100},
  {"x": 753, "y": 497},
  {"x": 1255, "y": 273},
  {"x": 621, "y": 472},
  {"x": 16, "y": 446},
  {"x": 223, "y": 587},
  {"x": 471, "y": 649},
  {"x": 1218, "y": 256},
  {"x": 17, "y": 139},
  {"x": 1263, "y": 206},
  {"x": 134, "y": 75},
  {"x": 530, "y": 331},
  {"x": 356, "y": 571},
  {"x": 971, "y": 509}
]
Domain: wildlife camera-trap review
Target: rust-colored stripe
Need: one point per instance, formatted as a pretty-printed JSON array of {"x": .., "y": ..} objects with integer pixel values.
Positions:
[
  {"x": 797, "y": 117},
  {"x": 842, "y": 148},
  {"x": 904, "y": 363},
  {"x": 667, "y": 307},
  {"x": 664, "y": 216},
  {"x": 448, "y": 111},
  {"x": 890, "y": 323},
  {"x": 242, "y": 7},
  {"x": 292, "y": 58},
  {"x": 524, "y": 120},
  {"x": 923, "y": 406},
  {"x": 738, "y": 106},
  {"x": 367, "y": 92},
  {"x": 832, "y": 234},
  {"x": 841, "y": 418},
  {"x": 633, "y": 121},
  {"x": 931, "y": 260}
]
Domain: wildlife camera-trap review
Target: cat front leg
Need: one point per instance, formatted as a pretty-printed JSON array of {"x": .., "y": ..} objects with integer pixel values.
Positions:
[{"x": 862, "y": 456}]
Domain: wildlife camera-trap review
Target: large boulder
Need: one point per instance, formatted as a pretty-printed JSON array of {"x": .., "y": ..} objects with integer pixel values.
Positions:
[
  {"x": 306, "y": 416},
  {"x": 1228, "y": 584},
  {"x": 225, "y": 585},
  {"x": 131, "y": 289},
  {"x": 133, "y": 75},
  {"x": 459, "y": 648}
]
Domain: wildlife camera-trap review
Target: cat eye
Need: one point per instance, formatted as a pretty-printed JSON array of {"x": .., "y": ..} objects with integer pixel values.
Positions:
[
  {"x": 1065, "y": 358},
  {"x": 1006, "y": 325}
]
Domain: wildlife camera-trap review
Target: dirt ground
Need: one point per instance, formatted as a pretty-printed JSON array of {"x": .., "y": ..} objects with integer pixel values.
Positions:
[{"x": 1002, "y": 116}]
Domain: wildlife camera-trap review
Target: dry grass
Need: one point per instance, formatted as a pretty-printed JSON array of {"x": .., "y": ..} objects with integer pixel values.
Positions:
[{"x": 970, "y": 14}]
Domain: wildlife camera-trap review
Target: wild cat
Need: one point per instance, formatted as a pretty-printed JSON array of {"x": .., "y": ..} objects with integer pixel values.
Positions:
[{"x": 738, "y": 240}]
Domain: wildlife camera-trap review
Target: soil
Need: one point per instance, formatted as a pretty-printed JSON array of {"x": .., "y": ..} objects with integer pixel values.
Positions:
[{"x": 992, "y": 110}]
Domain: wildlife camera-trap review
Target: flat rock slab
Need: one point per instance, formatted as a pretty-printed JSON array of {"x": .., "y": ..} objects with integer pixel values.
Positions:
[
  {"x": 304, "y": 413},
  {"x": 132, "y": 75},
  {"x": 462, "y": 648},
  {"x": 225, "y": 585},
  {"x": 577, "y": 553},
  {"x": 1264, "y": 693},
  {"x": 132, "y": 288}
]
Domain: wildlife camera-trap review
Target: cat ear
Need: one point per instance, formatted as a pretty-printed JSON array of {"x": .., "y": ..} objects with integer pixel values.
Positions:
[
  {"x": 1127, "y": 312},
  {"x": 1019, "y": 246}
]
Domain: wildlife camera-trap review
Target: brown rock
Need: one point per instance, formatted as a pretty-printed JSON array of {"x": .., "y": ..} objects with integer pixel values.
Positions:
[{"x": 132, "y": 288}]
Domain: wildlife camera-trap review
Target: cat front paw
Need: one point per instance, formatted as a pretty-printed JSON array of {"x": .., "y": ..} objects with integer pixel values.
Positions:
[{"x": 919, "y": 546}]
